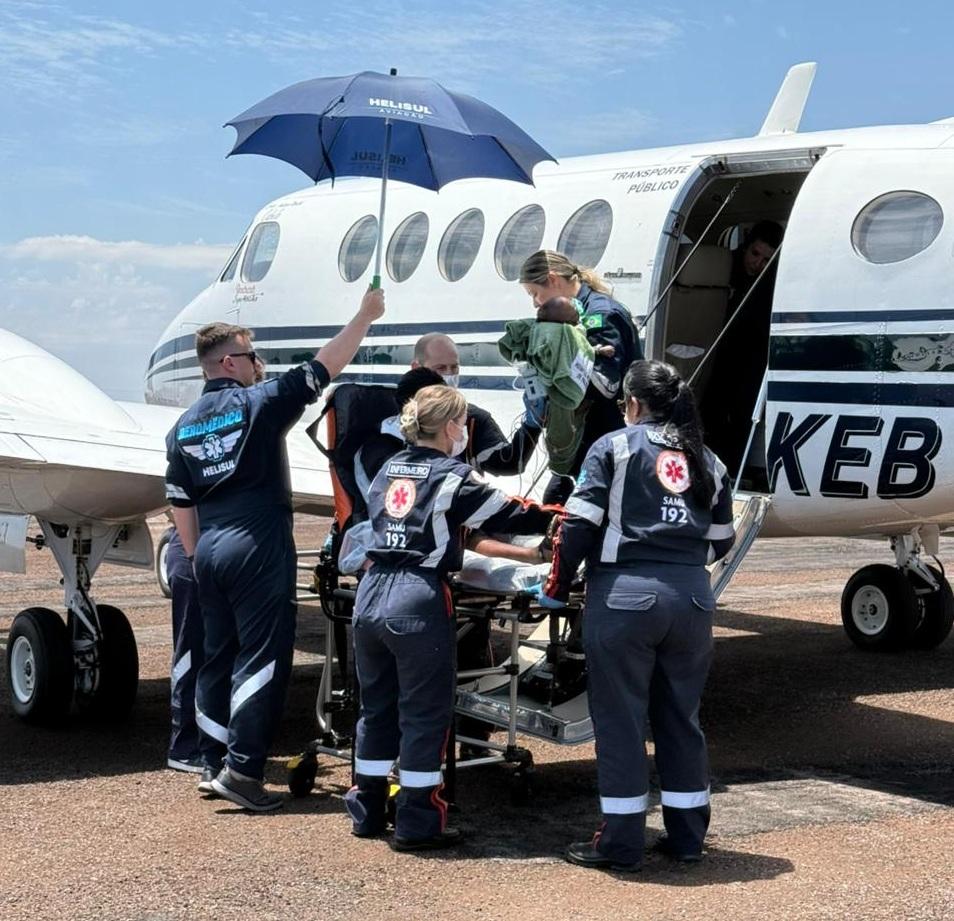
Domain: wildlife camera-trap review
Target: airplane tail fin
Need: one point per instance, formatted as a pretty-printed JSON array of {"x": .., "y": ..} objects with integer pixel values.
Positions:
[{"x": 786, "y": 112}]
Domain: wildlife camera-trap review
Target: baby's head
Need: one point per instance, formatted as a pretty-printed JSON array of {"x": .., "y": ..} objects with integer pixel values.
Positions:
[{"x": 559, "y": 310}]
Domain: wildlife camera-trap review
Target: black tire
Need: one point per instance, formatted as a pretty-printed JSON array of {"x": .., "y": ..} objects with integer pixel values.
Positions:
[
  {"x": 880, "y": 609},
  {"x": 39, "y": 666},
  {"x": 115, "y": 694},
  {"x": 937, "y": 614},
  {"x": 162, "y": 576},
  {"x": 302, "y": 772}
]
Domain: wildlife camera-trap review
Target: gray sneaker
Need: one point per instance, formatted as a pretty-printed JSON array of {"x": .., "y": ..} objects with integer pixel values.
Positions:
[{"x": 246, "y": 792}]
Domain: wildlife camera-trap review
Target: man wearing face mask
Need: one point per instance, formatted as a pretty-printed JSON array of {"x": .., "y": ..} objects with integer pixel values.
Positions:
[{"x": 483, "y": 445}]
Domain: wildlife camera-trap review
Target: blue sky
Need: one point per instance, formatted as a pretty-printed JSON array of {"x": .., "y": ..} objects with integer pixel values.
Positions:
[{"x": 118, "y": 203}]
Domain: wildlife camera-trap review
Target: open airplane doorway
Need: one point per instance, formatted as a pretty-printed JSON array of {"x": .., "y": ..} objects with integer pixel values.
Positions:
[{"x": 694, "y": 287}]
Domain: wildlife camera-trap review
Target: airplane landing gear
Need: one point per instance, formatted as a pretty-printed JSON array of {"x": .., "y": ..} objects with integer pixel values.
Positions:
[
  {"x": 891, "y": 608},
  {"x": 162, "y": 554},
  {"x": 93, "y": 654},
  {"x": 39, "y": 666}
]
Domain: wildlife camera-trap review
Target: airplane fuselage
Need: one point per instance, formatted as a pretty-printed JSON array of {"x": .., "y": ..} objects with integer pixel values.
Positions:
[{"x": 859, "y": 390}]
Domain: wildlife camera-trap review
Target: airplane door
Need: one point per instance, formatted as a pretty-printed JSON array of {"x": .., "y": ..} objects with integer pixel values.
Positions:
[{"x": 862, "y": 348}]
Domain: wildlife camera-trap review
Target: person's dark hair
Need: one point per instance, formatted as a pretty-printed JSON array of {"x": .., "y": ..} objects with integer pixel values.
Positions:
[
  {"x": 767, "y": 231},
  {"x": 413, "y": 381},
  {"x": 669, "y": 400}
]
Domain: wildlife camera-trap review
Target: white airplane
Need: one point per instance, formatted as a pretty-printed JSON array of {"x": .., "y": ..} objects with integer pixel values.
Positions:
[{"x": 849, "y": 424}]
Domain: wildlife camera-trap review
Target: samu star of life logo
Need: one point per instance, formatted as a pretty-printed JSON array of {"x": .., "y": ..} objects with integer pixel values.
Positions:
[
  {"x": 672, "y": 470},
  {"x": 399, "y": 499}
]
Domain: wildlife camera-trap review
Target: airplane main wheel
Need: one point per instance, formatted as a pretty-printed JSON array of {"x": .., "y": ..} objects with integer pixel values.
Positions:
[
  {"x": 880, "y": 609},
  {"x": 937, "y": 614},
  {"x": 39, "y": 666},
  {"x": 115, "y": 693},
  {"x": 162, "y": 571}
]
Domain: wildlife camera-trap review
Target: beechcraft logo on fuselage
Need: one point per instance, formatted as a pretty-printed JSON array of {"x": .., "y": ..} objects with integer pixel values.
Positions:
[{"x": 905, "y": 469}]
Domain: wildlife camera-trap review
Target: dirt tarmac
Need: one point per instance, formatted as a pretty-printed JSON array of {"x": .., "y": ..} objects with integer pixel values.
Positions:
[{"x": 833, "y": 781}]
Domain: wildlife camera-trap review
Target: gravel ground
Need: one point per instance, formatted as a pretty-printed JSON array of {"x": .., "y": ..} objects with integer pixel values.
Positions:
[{"x": 832, "y": 780}]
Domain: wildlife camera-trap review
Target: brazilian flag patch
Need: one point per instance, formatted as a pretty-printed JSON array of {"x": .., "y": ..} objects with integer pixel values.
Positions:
[{"x": 595, "y": 321}]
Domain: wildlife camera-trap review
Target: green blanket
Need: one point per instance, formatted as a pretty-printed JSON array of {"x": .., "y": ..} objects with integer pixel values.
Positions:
[{"x": 563, "y": 358}]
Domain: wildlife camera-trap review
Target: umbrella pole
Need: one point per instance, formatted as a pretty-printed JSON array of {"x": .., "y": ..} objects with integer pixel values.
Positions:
[{"x": 376, "y": 281}]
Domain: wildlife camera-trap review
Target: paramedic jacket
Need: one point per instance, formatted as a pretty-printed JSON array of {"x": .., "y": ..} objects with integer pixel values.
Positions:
[
  {"x": 421, "y": 500},
  {"x": 608, "y": 322},
  {"x": 227, "y": 452},
  {"x": 632, "y": 503},
  {"x": 487, "y": 449}
]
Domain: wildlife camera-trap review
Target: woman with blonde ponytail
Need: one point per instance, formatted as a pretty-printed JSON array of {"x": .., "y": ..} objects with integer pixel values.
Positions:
[
  {"x": 419, "y": 505},
  {"x": 610, "y": 330}
]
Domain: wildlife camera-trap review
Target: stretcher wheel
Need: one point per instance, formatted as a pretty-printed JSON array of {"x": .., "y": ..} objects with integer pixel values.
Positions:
[
  {"x": 302, "y": 771},
  {"x": 522, "y": 783}
]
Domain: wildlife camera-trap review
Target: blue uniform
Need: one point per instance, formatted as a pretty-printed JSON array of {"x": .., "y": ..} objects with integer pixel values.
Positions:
[
  {"x": 185, "y": 743},
  {"x": 404, "y": 629},
  {"x": 606, "y": 322},
  {"x": 227, "y": 458},
  {"x": 647, "y": 626}
]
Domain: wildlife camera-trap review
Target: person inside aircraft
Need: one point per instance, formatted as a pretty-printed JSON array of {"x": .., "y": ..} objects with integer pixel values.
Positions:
[
  {"x": 742, "y": 355},
  {"x": 487, "y": 448},
  {"x": 647, "y": 618},
  {"x": 228, "y": 481},
  {"x": 609, "y": 329},
  {"x": 404, "y": 625}
]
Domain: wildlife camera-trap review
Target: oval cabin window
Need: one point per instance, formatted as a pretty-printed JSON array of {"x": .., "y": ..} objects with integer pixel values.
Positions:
[
  {"x": 896, "y": 226},
  {"x": 407, "y": 246},
  {"x": 357, "y": 248},
  {"x": 460, "y": 244},
  {"x": 520, "y": 237},
  {"x": 585, "y": 235}
]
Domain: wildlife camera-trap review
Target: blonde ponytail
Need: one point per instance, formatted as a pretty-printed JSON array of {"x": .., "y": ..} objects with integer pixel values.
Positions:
[
  {"x": 537, "y": 268},
  {"x": 429, "y": 411}
]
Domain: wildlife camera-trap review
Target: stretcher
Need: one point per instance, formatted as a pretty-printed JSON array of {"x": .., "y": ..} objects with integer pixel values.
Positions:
[{"x": 537, "y": 691}]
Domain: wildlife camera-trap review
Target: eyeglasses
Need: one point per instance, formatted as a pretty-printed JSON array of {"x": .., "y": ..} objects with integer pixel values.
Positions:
[{"x": 251, "y": 355}]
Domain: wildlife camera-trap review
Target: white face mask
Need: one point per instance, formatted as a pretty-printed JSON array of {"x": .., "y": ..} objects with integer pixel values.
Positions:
[
  {"x": 459, "y": 445},
  {"x": 452, "y": 380}
]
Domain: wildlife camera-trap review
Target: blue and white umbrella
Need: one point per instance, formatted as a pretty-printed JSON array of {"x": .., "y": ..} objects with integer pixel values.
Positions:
[{"x": 378, "y": 125}]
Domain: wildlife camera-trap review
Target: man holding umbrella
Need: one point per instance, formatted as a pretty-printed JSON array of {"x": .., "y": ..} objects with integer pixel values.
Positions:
[{"x": 229, "y": 485}]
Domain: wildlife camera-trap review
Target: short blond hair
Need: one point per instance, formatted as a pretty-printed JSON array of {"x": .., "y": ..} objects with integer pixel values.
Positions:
[
  {"x": 431, "y": 408},
  {"x": 210, "y": 337}
]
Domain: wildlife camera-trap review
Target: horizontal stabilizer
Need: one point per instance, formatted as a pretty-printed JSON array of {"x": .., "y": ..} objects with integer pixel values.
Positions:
[{"x": 786, "y": 113}]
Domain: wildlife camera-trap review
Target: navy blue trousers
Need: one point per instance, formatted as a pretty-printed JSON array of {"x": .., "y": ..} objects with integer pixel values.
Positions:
[
  {"x": 188, "y": 637},
  {"x": 247, "y": 592},
  {"x": 647, "y": 634},
  {"x": 404, "y": 649}
]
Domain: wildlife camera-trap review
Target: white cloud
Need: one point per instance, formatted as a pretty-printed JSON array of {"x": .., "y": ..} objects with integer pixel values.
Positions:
[
  {"x": 54, "y": 52},
  {"x": 82, "y": 249},
  {"x": 102, "y": 317}
]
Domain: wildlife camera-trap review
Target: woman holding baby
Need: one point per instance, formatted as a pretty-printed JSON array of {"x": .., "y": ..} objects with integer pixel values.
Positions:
[{"x": 610, "y": 329}]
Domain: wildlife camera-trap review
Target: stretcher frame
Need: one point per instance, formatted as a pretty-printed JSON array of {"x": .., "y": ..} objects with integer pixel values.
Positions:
[{"x": 512, "y": 609}]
